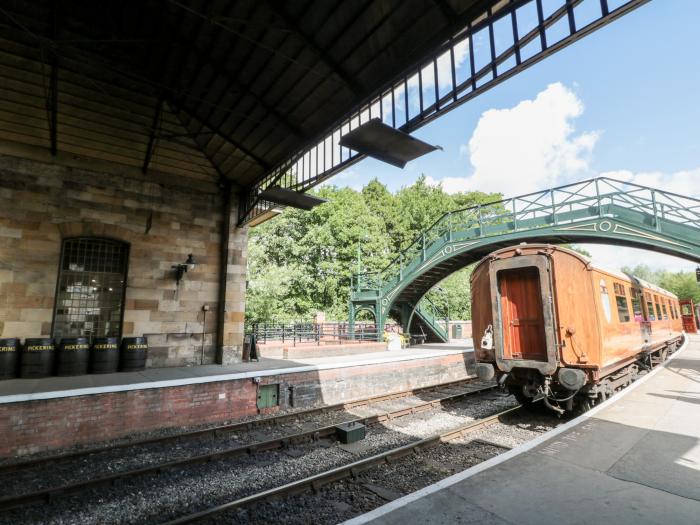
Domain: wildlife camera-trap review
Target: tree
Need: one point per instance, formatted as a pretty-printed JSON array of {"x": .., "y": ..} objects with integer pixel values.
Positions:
[
  {"x": 301, "y": 262},
  {"x": 683, "y": 284}
]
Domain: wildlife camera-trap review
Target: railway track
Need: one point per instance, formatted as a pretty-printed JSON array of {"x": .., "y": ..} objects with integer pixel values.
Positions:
[
  {"x": 351, "y": 470},
  {"x": 468, "y": 389},
  {"x": 232, "y": 427}
]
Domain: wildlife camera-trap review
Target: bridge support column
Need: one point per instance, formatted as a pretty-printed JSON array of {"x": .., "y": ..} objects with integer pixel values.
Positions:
[{"x": 373, "y": 306}]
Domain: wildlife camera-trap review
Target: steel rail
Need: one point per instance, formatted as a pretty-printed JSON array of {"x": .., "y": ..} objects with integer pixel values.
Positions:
[
  {"x": 353, "y": 469},
  {"x": 48, "y": 494},
  {"x": 245, "y": 425}
]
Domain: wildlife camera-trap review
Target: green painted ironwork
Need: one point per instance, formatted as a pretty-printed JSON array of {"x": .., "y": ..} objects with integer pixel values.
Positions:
[{"x": 600, "y": 210}]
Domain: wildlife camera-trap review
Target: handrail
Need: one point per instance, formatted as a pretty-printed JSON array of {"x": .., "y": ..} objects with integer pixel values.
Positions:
[{"x": 594, "y": 192}]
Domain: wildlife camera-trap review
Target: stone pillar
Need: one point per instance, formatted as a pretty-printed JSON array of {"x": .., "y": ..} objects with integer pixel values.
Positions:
[{"x": 232, "y": 283}]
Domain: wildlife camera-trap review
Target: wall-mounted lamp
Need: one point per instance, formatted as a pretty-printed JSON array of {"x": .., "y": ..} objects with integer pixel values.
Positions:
[{"x": 181, "y": 269}]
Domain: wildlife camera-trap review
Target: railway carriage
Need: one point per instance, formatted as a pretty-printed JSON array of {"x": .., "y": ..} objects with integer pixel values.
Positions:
[{"x": 549, "y": 323}]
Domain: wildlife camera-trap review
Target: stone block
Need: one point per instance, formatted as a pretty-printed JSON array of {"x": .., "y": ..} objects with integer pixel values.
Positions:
[
  {"x": 36, "y": 314},
  {"x": 145, "y": 304}
]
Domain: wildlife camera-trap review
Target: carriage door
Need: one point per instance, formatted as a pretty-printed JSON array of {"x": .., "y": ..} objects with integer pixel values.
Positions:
[
  {"x": 524, "y": 327},
  {"x": 688, "y": 316},
  {"x": 522, "y": 315}
]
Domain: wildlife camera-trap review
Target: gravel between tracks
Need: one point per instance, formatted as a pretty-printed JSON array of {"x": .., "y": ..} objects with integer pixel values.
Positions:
[
  {"x": 109, "y": 462},
  {"x": 150, "y": 499},
  {"x": 345, "y": 499}
]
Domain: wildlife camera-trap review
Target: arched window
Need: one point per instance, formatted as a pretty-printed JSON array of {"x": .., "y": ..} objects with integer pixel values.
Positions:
[{"x": 90, "y": 290}]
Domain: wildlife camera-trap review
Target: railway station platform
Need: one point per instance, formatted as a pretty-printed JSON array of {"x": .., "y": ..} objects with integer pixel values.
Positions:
[
  {"x": 56, "y": 413},
  {"x": 634, "y": 459}
]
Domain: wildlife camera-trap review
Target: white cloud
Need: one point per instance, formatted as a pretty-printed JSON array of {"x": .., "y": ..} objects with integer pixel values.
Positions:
[
  {"x": 616, "y": 257},
  {"x": 528, "y": 147},
  {"x": 684, "y": 182}
]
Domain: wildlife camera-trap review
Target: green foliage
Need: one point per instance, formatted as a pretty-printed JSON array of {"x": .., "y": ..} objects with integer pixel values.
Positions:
[
  {"x": 577, "y": 248},
  {"x": 683, "y": 284},
  {"x": 302, "y": 262}
]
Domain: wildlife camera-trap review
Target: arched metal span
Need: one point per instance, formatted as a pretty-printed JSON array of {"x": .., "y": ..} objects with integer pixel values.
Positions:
[{"x": 599, "y": 210}]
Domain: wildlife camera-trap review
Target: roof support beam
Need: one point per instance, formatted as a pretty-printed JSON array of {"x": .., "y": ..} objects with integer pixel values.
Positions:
[
  {"x": 231, "y": 78},
  {"x": 218, "y": 131},
  {"x": 155, "y": 128},
  {"x": 52, "y": 101},
  {"x": 292, "y": 23}
]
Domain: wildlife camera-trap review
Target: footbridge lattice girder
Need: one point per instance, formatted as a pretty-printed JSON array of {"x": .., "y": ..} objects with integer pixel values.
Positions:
[{"x": 599, "y": 210}]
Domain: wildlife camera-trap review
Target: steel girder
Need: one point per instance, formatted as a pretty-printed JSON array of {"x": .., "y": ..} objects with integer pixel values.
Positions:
[{"x": 507, "y": 39}]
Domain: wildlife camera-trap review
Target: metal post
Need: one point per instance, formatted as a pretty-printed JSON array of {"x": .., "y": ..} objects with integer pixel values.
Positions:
[
  {"x": 653, "y": 202},
  {"x": 597, "y": 194},
  {"x": 423, "y": 241},
  {"x": 515, "y": 218},
  {"x": 481, "y": 222},
  {"x": 554, "y": 209},
  {"x": 449, "y": 225}
]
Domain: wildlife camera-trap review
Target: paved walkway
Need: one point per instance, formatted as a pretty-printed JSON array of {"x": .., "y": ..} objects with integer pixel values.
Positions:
[
  {"x": 14, "y": 390},
  {"x": 635, "y": 460}
]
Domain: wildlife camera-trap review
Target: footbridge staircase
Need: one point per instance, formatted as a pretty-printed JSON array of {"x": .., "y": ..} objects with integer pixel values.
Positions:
[{"x": 601, "y": 210}]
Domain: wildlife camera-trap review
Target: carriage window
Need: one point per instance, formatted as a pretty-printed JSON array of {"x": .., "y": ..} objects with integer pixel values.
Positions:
[
  {"x": 663, "y": 309},
  {"x": 658, "y": 308},
  {"x": 605, "y": 300},
  {"x": 651, "y": 315},
  {"x": 685, "y": 309},
  {"x": 636, "y": 305},
  {"x": 91, "y": 283},
  {"x": 623, "y": 309}
]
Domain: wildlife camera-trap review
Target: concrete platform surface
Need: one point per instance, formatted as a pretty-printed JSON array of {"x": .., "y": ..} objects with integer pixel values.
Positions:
[
  {"x": 633, "y": 460},
  {"x": 16, "y": 390}
]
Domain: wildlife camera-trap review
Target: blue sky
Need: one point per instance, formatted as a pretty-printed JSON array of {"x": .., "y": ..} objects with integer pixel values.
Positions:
[{"x": 627, "y": 94}]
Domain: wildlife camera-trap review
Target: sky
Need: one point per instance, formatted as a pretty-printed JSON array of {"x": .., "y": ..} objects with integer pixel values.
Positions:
[{"x": 622, "y": 102}]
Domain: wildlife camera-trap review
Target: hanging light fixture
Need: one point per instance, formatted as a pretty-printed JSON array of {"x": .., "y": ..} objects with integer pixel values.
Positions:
[{"x": 182, "y": 268}]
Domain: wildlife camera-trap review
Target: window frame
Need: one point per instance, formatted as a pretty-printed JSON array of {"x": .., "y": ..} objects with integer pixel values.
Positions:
[
  {"x": 620, "y": 293},
  {"x": 127, "y": 251},
  {"x": 649, "y": 305}
]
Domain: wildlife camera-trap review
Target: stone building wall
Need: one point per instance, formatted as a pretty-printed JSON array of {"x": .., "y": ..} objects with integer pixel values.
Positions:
[{"x": 42, "y": 203}]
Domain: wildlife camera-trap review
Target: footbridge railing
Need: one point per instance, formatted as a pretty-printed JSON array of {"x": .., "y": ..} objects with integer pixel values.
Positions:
[{"x": 595, "y": 210}]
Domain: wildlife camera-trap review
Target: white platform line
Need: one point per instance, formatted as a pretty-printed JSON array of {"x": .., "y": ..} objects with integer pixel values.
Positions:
[
  {"x": 54, "y": 394},
  {"x": 501, "y": 458}
]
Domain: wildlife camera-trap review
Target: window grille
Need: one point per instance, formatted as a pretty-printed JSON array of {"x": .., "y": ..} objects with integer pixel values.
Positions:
[{"x": 90, "y": 292}]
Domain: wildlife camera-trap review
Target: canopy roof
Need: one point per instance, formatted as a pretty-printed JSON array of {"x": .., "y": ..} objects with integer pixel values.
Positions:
[{"x": 200, "y": 91}]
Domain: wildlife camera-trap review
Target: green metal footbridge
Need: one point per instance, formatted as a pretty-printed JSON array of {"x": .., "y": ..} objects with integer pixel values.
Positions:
[{"x": 601, "y": 210}]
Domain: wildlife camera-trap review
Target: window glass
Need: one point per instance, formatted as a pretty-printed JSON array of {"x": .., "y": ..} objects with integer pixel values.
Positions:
[
  {"x": 651, "y": 315},
  {"x": 658, "y": 309},
  {"x": 636, "y": 304},
  {"x": 90, "y": 294},
  {"x": 623, "y": 309},
  {"x": 605, "y": 300},
  {"x": 685, "y": 309},
  {"x": 664, "y": 311}
]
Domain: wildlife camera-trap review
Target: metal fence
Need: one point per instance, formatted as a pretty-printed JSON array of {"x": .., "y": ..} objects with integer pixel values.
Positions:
[{"x": 318, "y": 333}]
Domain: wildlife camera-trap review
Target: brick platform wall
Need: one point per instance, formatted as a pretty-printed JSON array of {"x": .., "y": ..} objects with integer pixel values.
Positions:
[
  {"x": 53, "y": 424},
  {"x": 45, "y": 202}
]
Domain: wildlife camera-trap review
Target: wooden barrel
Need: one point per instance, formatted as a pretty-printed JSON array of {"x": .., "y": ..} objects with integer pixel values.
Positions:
[
  {"x": 133, "y": 354},
  {"x": 72, "y": 356},
  {"x": 37, "y": 357},
  {"x": 104, "y": 355},
  {"x": 9, "y": 351}
]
